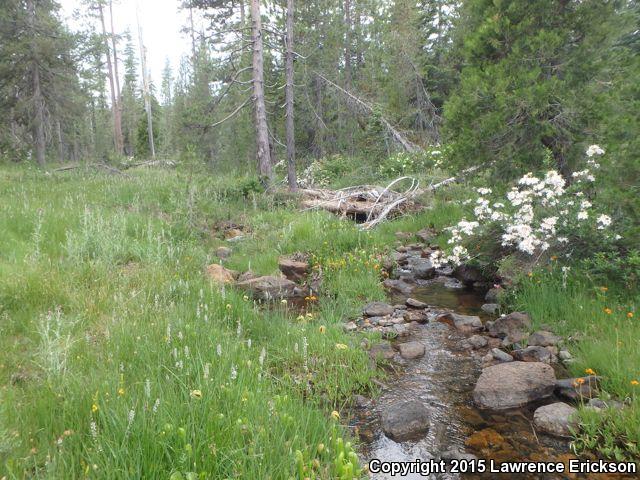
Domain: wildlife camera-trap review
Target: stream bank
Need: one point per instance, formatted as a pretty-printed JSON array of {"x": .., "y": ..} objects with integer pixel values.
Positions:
[{"x": 440, "y": 334}]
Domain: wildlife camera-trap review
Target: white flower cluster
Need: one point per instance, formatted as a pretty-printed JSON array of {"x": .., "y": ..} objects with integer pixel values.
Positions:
[{"x": 537, "y": 209}]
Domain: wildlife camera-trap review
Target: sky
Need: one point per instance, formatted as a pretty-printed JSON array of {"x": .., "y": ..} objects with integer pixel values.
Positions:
[{"x": 161, "y": 22}]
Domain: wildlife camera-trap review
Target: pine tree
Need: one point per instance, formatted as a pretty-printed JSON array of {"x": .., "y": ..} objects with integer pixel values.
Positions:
[{"x": 524, "y": 64}]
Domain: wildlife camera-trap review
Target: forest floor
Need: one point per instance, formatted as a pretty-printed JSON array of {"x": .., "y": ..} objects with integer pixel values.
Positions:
[{"x": 120, "y": 359}]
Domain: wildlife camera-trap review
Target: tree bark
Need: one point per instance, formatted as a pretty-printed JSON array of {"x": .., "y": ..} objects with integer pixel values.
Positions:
[
  {"x": 117, "y": 126},
  {"x": 261, "y": 127},
  {"x": 347, "y": 44},
  {"x": 60, "y": 142},
  {"x": 38, "y": 99},
  {"x": 291, "y": 143},
  {"x": 120, "y": 147}
]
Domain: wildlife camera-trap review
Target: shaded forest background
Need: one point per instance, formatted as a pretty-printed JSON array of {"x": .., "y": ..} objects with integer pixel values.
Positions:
[{"x": 515, "y": 86}]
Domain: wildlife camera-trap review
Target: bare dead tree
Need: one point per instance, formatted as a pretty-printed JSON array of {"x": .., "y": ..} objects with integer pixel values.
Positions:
[
  {"x": 291, "y": 143},
  {"x": 262, "y": 130},
  {"x": 117, "y": 125}
]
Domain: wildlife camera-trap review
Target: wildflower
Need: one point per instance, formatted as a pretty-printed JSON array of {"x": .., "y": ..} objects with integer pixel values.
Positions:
[
  {"x": 196, "y": 394},
  {"x": 219, "y": 350},
  {"x": 245, "y": 298},
  {"x": 335, "y": 415},
  {"x": 94, "y": 408},
  {"x": 156, "y": 405},
  {"x": 590, "y": 371},
  {"x": 578, "y": 382},
  {"x": 629, "y": 314},
  {"x": 120, "y": 391},
  {"x": 594, "y": 150},
  {"x": 341, "y": 346},
  {"x": 604, "y": 289},
  {"x": 603, "y": 221},
  {"x": 228, "y": 306},
  {"x": 300, "y": 318},
  {"x": 283, "y": 301},
  {"x": 322, "y": 329},
  {"x": 608, "y": 311},
  {"x": 635, "y": 383}
]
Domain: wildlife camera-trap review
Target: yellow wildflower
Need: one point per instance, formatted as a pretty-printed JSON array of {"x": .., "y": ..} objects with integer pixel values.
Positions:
[
  {"x": 335, "y": 415},
  {"x": 608, "y": 311},
  {"x": 341, "y": 346},
  {"x": 590, "y": 371},
  {"x": 635, "y": 383},
  {"x": 120, "y": 391},
  {"x": 94, "y": 408},
  {"x": 196, "y": 394},
  {"x": 629, "y": 314}
]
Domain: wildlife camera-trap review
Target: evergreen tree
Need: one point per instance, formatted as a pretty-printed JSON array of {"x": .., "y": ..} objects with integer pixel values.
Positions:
[{"x": 525, "y": 67}]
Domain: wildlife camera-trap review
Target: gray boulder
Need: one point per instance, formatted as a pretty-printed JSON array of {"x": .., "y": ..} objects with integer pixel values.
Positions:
[
  {"x": 413, "y": 303},
  {"x": 415, "y": 316},
  {"x": 513, "y": 326},
  {"x": 491, "y": 308},
  {"x": 269, "y": 287},
  {"x": 377, "y": 309},
  {"x": 513, "y": 384},
  {"x": 501, "y": 355},
  {"x": 533, "y": 354},
  {"x": 556, "y": 419},
  {"x": 578, "y": 388},
  {"x": 422, "y": 268},
  {"x": 411, "y": 350},
  {"x": 477, "y": 341},
  {"x": 464, "y": 323},
  {"x": 543, "y": 339},
  {"x": 382, "y": 351},
  {"x": 403, "y": 421}
]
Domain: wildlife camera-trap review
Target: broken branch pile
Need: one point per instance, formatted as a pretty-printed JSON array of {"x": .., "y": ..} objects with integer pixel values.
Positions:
[{"x": 368, "y": 205}]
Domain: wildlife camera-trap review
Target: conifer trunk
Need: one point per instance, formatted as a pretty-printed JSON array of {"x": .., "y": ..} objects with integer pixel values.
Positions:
[
  {"x": 291, "y": 143},
  {"x": 260, "y": 111}
]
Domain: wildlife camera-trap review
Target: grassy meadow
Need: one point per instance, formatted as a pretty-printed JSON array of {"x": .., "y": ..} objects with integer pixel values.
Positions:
[{"x": 120, "y": 359}]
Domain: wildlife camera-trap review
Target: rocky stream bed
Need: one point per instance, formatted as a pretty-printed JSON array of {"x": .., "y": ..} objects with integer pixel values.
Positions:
[{"x": 467, "y": 382}]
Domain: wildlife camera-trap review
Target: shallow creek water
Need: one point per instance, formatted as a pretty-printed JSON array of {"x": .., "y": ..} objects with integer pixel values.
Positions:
[{"x": 444, "y": 379}]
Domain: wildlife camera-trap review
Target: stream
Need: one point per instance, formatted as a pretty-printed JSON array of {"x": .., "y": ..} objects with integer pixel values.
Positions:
[{"x": 443, "y": 380}]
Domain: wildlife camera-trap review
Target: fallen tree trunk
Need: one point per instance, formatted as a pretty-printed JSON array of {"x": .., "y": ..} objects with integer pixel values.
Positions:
[{"x": 407, "y": 144}]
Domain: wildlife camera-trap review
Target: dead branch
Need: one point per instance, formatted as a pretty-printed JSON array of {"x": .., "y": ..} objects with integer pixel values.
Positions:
[
  {"x": 232, "y": 114},
  {"x": 408, "y": 145}
]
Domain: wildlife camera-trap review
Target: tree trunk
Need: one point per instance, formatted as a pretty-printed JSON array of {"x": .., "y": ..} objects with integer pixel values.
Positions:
[
  {"x": 117, "y": 127},
  {"x": 347, "y": 44},
  {"x": 291, "y": 143},
  {"x": 146, "y": 90},
  {"x": 38, "y": 99},
  {"x": 120, "y": 147},
  {"x": 60, "y": 143},
  {"x": 193, "y": 42},
  {"x": 262, "y": 130}
]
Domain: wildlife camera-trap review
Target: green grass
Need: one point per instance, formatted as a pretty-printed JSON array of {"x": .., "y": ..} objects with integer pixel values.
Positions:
[
  {"x": 120, "y": 360},
  {"x": 606, "y": 332}
]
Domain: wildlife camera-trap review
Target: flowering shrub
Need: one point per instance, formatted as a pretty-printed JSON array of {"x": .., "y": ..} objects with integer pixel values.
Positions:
[
  {"x": 403, "y": 163},
  {"x": 324, "y": 171},
  {"x": 540, "y": 213}
]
